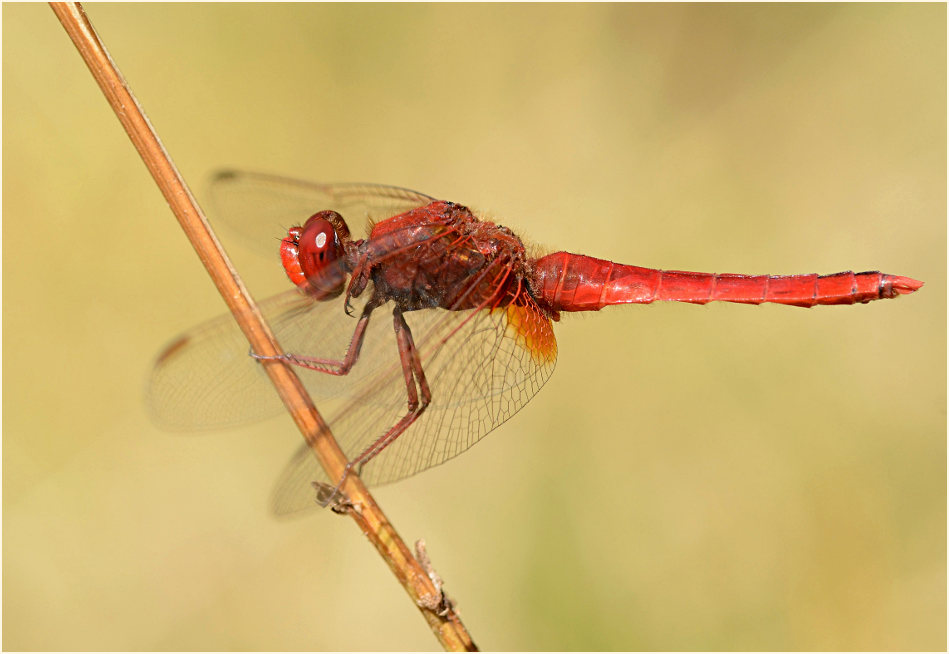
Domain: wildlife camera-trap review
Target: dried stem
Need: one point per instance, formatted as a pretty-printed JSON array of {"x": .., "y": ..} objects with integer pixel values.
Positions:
[{"x": 369, "y": 517}]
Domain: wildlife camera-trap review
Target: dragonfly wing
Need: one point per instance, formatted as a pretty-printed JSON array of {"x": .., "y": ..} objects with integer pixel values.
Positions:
[
  {"x": 258, "y": 206},
  {"x": 482, "y": 367},
  {"x": 206, "y": 378}
]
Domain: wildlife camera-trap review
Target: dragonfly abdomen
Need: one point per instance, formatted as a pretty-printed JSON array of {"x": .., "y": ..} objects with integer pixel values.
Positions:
[{"x": 572, "y": 282}]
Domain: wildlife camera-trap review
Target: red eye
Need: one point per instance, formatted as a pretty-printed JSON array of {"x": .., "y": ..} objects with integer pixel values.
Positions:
[
  {"x": 317, "y": 247},
  {"x": 311, "y": 257}
]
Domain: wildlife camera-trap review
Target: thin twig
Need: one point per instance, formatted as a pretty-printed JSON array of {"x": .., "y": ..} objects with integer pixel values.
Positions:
[{"x": 448, "y": 628}]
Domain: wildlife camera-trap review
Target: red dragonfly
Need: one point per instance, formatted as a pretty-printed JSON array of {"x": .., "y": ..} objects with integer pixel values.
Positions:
[{"x": 471, "y": 338}]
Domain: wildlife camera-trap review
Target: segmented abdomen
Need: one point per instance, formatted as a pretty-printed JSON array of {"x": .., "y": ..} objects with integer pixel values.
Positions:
[{"x": 574, "y": 282}]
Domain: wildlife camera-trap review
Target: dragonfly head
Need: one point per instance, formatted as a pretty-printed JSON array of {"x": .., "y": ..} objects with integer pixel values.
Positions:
[{"x": 312, "y": 255}]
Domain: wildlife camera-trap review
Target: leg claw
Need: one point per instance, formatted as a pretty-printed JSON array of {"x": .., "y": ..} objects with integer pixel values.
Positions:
[
  {"x": 268, "y": 357},
  {"x": 331, "y": 496}
]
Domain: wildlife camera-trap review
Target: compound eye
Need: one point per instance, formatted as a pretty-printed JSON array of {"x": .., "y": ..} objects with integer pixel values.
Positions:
[
  {"x": 317, "y": 241},
  {"x": 319, "y": 252}
]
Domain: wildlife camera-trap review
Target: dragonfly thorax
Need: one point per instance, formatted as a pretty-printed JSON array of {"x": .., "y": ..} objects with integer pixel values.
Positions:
[{"x": 442, "y": 256}]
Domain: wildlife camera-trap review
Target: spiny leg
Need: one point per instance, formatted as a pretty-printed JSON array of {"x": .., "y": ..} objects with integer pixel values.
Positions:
[
  {"x": 419, "y": 395},
  {"x": 337, "y": 367}
]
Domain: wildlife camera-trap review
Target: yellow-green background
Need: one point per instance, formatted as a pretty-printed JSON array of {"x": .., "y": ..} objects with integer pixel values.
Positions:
[{"x": 720, "y": 477}]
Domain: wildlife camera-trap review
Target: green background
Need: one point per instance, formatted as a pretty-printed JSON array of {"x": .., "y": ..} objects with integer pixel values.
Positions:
[{"x": 719, "y": 477}]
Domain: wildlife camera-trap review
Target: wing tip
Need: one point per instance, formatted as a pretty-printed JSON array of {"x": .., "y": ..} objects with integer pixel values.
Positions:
[
  {"x": 172, "y": 349},
  {"x": 224, "y": 175}
]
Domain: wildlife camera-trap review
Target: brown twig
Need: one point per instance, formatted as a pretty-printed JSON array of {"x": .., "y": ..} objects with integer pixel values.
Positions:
[{"x": 448, "y": 628}]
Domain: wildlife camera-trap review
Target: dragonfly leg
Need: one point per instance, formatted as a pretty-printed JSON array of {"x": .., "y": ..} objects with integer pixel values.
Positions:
[
  {"x": 338, "y": 367},
  {"x": 419, "y": 396}
]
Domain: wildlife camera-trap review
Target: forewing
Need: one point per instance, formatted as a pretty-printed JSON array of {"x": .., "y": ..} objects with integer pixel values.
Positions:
[
  {"x": 261, "y": 207},
  {"x": 206, "y": 378},
  {"x": 482, "y": 367}
]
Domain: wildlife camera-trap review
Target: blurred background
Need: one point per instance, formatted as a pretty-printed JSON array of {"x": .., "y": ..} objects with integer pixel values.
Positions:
[{"x": 718, "y": 477}]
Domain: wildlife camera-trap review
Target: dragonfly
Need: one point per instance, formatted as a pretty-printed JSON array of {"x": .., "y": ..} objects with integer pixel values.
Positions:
[{"x": 425, "y": 335}]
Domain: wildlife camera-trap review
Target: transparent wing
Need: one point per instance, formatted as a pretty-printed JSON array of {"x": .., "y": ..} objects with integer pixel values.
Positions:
[
  {"x": 482, "y": 367},
  {"x": 206, "y": 378},
  {"x": 261, "y": 207}
]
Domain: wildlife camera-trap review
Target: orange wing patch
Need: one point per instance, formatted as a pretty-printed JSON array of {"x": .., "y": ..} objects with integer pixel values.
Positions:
[{"x": 532, "y": 330}]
